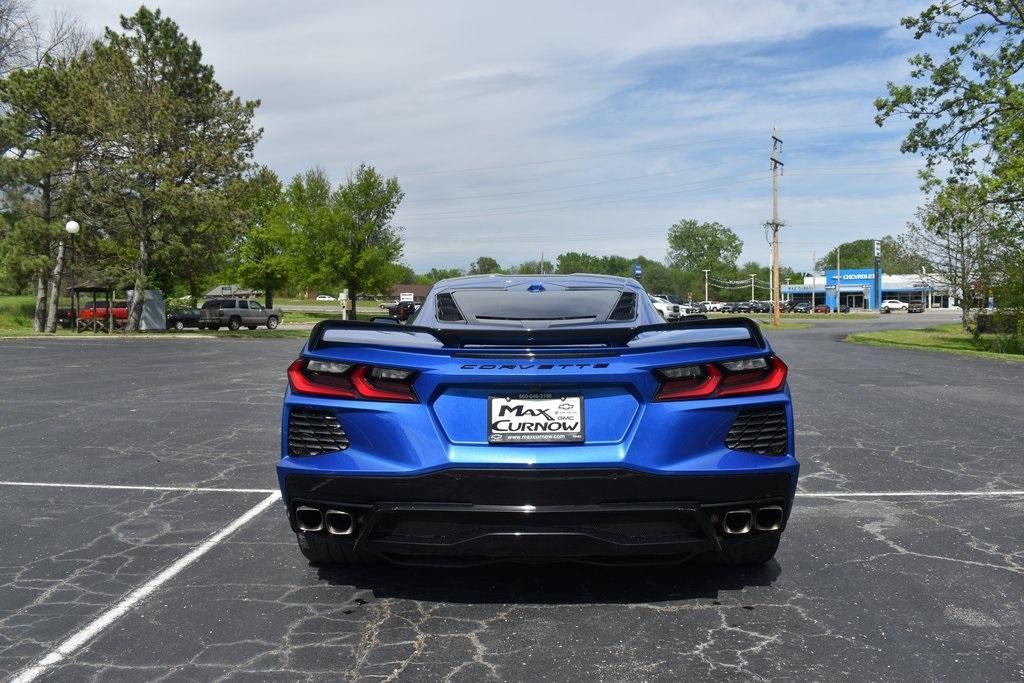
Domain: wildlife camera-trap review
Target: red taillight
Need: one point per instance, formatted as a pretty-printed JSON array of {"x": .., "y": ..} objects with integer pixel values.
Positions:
[
  {"x": 344, "y": 380},
  {"x": 729, "y": 378}
]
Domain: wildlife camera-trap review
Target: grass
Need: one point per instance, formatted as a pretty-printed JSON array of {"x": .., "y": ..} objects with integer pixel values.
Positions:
[
  {"x": 940, "y": 338},
  {"x": 766, "y": 325}
]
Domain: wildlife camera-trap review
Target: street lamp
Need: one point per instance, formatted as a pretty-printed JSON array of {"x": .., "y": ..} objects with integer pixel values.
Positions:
[{"x": 72, "y": 228}]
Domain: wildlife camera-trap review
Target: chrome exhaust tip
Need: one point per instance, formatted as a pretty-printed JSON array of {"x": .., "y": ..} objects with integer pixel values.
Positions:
[
  {"x": 769, "y": 518},
  {"x": 309, "y": 518},
  {"x": 339, "y": 522},
  {"x": 736, "y": 522}
]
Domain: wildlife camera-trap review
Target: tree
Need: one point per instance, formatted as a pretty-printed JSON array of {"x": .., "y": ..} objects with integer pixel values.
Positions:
[
  {"x": 484, "y": 265},
  {"x": 954, "y": 232},
  {"x": 437, "y": 274},
  {"x": 694, "y": 246},
  {"x": 576, "y": 262},
  {"x": 535, "y": 267},
  {"x": 967, "y": 107},
  {"x": 168, "y": 142},
  {"x": 263, "y": 259},
  {"x": 896, "y": 257},
  {"x": 42, "y": 141},
  {"x": 347, "y": 236}
]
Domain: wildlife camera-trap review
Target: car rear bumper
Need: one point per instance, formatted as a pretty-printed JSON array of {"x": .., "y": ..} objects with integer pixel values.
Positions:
[{"x": 468, "y": 515}]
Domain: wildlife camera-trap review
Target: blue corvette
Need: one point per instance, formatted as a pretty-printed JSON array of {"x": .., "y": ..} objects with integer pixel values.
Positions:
[{"x": 531, "y": 417}]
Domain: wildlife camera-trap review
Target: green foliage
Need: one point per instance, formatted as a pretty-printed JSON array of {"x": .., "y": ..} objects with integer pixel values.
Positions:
[
  {"x": 437, "y": 274},
  {"x": 484, "y": 265},
  {"x": 694, "y": 246},
  {"x": 346, "y": 236},
  {"x": 532, "y": 267},
  {"x": 966, "y": 106},
  {"x": 262, "y": 257},
  {"x": 896, "y": 256},
  {"x": 167, "y": 142}
]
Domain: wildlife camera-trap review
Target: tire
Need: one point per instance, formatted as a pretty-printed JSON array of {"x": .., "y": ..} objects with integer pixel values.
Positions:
[
  {"x": 319, "y": 550},
  {"x": 272, "y": 322},
  {"x": 179, "y": 326},
  {"x": 234, "y": 323},
  {"x": 252, "y": 327},
  {"x": 746, "y": 553}
]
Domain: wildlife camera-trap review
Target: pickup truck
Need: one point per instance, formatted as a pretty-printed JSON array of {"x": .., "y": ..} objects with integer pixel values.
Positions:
[{"x": 235, "y": 313}]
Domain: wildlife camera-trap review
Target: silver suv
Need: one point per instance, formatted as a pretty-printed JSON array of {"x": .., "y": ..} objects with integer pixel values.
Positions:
[{"x": 235, "y": 313}]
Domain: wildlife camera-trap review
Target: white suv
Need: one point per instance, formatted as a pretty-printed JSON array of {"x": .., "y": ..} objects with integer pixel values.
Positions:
[
  {"x": 668, "y": 310},
  {"x": 894, "y": 305}
]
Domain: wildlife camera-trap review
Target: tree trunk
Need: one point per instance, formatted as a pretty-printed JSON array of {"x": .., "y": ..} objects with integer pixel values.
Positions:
[
  {"x": 39, "y": 316},
  {"x": 268, "y": 297},
  {"x": 55, "y": 276},
  {"x": 138, "y": 295}
]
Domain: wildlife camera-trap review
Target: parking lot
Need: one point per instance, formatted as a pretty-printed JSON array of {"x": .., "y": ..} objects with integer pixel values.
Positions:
[{"x": 142, "y": 538}]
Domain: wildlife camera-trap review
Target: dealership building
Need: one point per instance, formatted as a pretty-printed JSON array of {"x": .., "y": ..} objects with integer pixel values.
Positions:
[{"x": 856, "y": 288}]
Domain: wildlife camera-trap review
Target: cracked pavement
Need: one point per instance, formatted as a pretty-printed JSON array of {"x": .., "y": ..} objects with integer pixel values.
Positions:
[{"x": 926, "y": 587}]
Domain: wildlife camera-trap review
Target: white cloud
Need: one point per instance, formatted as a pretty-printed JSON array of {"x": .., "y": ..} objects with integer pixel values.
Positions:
[{"x": 540, "y": 94}]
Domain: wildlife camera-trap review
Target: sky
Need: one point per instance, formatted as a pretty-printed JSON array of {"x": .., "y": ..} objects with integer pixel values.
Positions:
[{"x": 522, "y": 128}]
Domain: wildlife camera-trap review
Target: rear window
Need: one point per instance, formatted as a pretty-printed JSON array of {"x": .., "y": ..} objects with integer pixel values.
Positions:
[{"x": 490, "y": 304}]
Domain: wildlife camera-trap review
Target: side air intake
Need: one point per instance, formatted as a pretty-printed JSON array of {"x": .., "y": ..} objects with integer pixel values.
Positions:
[
  {"x": 625, "y": 308},
  {"x": 759, "y": 430},
  {"x": 311, "y": 432},
  {"x": 447, "y": 310}
]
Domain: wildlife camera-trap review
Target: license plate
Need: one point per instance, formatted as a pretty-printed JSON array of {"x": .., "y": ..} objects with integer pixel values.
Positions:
[{"x": 535, "y": 418}]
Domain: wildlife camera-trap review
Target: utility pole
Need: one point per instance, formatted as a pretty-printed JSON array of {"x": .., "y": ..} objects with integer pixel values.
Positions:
[
  {"x": 752, "y": 286},
  {"x": 777, "y": 165},
  {"x": 541, "y": 261},
  {"x": 814, "y": 280},
  {"x": 706, "y": 271},
  {"x": 839, "y": 277}
]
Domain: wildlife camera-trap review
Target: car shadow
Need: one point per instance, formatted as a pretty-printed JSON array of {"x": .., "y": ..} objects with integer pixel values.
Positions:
[{"x": 562, "y": 583}]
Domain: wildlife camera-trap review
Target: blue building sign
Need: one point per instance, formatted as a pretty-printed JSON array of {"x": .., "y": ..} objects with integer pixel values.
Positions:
[{"x": 855, "y": 285}]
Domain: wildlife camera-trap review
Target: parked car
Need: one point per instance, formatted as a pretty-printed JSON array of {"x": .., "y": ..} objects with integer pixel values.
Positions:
[
  {"x": 844, "y": 309},
  {"x": 234, "y": 313},
  {"x": 325, "y": 297},
  {"x": 668, "y": 310},
  {"x": 802, "y": 307},
  {"x": 727, "y": 307},
  {"x": 915, "y": 307},
  {"x": 711, "y": 306},
  {"x": 388, "y": 304},
  {"x": 403, "y": 310},
  {"x": 417, "y": 445},
  {"x": 181, "y": 318},
  {"x": 822, "y": 308},
  {"x": 894, "y": 305},
  {"x": 743, "y": 307}
]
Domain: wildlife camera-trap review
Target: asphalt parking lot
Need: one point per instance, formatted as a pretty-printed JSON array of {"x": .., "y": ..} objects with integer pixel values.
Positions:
[{"x": 141, "y": 538}]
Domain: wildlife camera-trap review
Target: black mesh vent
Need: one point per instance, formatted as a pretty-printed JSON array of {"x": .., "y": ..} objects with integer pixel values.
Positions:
[
  {"x": 625, "y": 308},
  {"x": 447, "y": 310},
  {"x": 311, "y": 432},
  {"x": 759, "y": 430}
]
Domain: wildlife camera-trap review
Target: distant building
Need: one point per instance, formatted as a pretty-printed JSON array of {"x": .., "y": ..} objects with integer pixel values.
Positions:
[{"x": 856, "y": 289}]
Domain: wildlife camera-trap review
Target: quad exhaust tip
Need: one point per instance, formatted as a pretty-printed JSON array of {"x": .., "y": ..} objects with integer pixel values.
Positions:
[
  {"x": 309, "y": 518},
  {"x": 339, "y": 522},
  {"x": 768, "y": 518},
  {"x": 736, "y": 522}
]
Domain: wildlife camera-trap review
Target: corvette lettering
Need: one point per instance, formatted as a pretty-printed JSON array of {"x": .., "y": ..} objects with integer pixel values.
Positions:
[{"x": 533, "y": 366}]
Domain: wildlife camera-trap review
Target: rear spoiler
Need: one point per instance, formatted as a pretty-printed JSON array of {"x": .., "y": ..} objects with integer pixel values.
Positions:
[{"x": 329, "y": 333}]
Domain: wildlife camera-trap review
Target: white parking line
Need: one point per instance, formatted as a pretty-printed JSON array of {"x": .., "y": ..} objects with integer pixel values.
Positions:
[
  {"x": 911, "y": 494},
  {"x": 80, "y": 638},
  {"x": 119, "y": 487}
]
